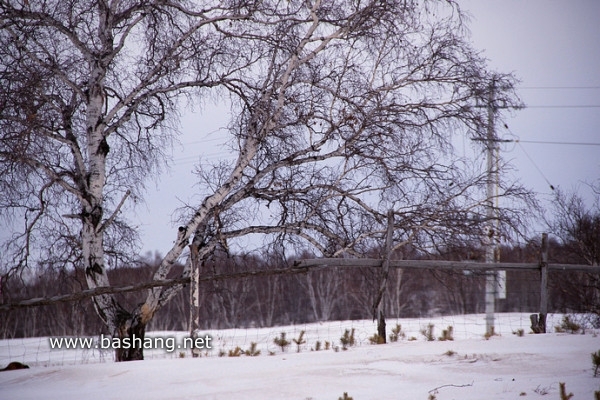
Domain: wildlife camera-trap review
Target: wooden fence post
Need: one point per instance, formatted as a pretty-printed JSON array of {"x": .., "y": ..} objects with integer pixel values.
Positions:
[
  {"x": 538, "y": 322},
  {"x": 544, "y": 282}
]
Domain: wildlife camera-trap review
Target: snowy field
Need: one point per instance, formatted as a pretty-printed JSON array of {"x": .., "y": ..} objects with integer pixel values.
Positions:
[{"x": 505, "y": 366}]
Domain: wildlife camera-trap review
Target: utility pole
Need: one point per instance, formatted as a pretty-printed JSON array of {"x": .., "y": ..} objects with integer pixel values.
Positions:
[
  {"x": 495, "y": 280},
  {"x": 491, "y": 230}
]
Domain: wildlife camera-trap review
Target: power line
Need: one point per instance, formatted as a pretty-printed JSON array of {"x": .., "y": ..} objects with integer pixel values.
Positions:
[
  {"x": 192, "y": 159},
  {"x": 567, "y": 106},
  {"x": 559, "y": 87},
  {"x": 534, "y": 141},
  {"x": 559, "y": 143},
  {"x": 203, "y": 141},
  {"x": 535, "y": 165},
  {"x": 518, "y": 142}
]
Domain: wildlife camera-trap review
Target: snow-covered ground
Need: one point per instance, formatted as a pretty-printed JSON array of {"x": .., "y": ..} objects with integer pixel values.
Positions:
[{"x": 506, "y": 366}]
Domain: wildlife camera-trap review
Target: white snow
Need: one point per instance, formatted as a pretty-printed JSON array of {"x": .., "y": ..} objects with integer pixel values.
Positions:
[{"x": 506, "y": 366}]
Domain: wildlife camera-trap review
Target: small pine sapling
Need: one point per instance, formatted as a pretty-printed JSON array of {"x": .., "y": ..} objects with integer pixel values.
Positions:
[
  {"x": 252, "y": 351},
  {"x": 447, "y": 334},
  {"x": 300, "y": 341},
  {"x": 281, "y": 341},
  {"x": 563, "y": 392},
  {"x": 596, "y": 362},
  {"x": 347, "y": 339},
  {"x": 345, "y": 397},
  {"x": 397, "y": 333},
  {"x": 235, "y": 352},
  {"x": 428, "y": 333},
  {"x": 376, "y": 339},
  {"x": 567, "y": 326}
]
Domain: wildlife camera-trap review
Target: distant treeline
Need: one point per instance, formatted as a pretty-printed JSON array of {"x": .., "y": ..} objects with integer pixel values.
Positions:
[{"x": 333, "y": 293}]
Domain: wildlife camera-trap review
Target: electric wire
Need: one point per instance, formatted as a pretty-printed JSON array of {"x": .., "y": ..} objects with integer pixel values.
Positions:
[
  {"x": 518, "y": 142},
  {"x": 535, "y": 165},
  {"x": 591, "y": 87},
  {"x": 558, "y": 143},
  {"x": 559, "y": 87},
  {"x": 566, "y": 106}
]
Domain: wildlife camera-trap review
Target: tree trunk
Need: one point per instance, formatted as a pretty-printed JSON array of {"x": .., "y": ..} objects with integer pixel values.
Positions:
[
  {"x": 131, "y": 334},
  {"x": 381, "y": 328}
]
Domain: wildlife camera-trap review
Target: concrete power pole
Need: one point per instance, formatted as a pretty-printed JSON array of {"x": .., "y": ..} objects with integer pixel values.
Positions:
[{"x": 492, "y": 225}]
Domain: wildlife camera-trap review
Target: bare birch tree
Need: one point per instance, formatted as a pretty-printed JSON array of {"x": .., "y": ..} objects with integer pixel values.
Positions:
[
  {"x": 577, "y": 226},
  {"x": 89, "y": 90},
  {"x": 342, "y": 110}
]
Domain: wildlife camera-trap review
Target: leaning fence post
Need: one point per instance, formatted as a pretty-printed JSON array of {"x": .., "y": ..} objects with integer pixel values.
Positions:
[{"x": 378, "y": 306}]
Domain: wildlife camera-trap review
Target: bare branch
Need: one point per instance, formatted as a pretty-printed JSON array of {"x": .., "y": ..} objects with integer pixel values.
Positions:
[{"x": 115, "y": 212}]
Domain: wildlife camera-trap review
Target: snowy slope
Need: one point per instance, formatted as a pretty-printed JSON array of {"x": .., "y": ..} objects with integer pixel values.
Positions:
[{"x": 504, "y": 367}]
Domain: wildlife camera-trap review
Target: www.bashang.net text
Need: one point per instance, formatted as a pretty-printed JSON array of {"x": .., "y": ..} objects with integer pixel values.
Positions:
[{"x": 169, "y": 344}]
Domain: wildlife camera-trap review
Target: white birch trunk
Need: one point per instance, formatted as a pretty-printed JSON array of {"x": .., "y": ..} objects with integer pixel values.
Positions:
[
  {"x": 120, "y": 323},
  {"x": 155, "y": 296}
]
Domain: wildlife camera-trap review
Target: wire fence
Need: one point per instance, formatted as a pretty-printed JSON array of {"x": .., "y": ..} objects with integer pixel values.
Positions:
[
  {"x": 325, "y": 336},
  {"x": 247, "y": 314}
]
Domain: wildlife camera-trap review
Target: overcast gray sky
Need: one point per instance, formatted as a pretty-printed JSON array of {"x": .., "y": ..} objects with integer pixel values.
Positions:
[{"x": 553, "y": 47}]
